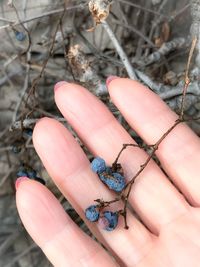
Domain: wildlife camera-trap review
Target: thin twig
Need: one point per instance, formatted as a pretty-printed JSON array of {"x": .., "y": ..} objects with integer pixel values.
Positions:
[
  {"x": 137, "y": 32},
  {"x": 143, "y": 8},
  {"x": 120, "y": 51},
  {"x": 187, "y": 79},
  {"x": 49, "y": 13},
  {"x": 165, "y": 49},
  {"x": 6, "y": 20},
  {"x": 50, "y": 52}
]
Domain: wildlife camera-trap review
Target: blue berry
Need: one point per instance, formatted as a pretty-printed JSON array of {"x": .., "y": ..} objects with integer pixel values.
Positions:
[
  {"x": 98, "y": 165},
  {"x": 109, "y": 220},
  {"x": 32, "y": 174},
  {"x": 22, "y": 173},
  {"x": 26, "y": 171},
  {"x": 114, "y": 181},
  {"x": 92, "y": 213},
  {"x": 20, "y": 36}
]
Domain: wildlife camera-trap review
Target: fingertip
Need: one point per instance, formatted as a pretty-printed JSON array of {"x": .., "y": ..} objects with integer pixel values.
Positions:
[
  {"x": 41, "y": 127},
  {"x": 110, "y": 79},
  {"x": 59, "y": 85},
  {"x": 39, "y": 210},
  {"x": 19, "y": 181},
  {"x": 25, "y": 189},
  {"x": 124, "y": 83}
]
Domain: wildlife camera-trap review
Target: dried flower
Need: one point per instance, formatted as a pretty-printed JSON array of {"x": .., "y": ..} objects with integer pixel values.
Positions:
[{"x": 100, "y": 10}]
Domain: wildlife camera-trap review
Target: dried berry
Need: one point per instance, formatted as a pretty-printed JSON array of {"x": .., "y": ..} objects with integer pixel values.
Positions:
[
  {"x": 92, "y": 213},
  {"x": 31, "y": 173},
  {"x": 98, "y": 165},
  {"x": 22, "y": 173},
  {"x": 20, "y": 36},
  {"x": 109, "y": 220},
  {"x": 25, "y": 171},
  {"x": 114, "y": 181}
]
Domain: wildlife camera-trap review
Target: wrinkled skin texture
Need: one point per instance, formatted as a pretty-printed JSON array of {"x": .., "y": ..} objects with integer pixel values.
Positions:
[{"x": 168, "y": 232}]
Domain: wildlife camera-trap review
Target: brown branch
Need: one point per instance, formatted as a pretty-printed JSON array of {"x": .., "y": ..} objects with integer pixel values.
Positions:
[
  {"x": 187, "y": 79},
  {"x": 37, "y": 79}
]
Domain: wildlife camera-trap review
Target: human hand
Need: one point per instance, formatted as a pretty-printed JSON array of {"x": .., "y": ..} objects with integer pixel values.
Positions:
[{"x": 171, "y": 235}]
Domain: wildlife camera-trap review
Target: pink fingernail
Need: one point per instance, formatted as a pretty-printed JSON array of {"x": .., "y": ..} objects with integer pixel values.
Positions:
[
  {"x": 59, "y": 84},
  {"x": 19, "y": 181},
  {"x": 110, "y": 78}
]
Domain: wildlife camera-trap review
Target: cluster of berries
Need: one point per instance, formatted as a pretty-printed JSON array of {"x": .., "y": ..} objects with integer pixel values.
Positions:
[
  {"x": 25, "y": 171},
  {"x": 113, "y": 178},
  {"x": 108, "y": 220}
]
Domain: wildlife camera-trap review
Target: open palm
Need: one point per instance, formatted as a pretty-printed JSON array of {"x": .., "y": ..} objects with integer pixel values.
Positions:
[{"x": 171, "y": 235}]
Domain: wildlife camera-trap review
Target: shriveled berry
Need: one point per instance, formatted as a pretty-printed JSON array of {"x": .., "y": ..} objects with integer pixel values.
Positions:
[
  {"x": 98, "y": 165},
  {"x": 114, "y": 181},
  {"x": 92, "y": 213},
  {"x": 109, "y": 220}
]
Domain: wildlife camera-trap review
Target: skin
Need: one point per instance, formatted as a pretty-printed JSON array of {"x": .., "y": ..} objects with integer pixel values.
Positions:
[{"x": 168, "y": 232}]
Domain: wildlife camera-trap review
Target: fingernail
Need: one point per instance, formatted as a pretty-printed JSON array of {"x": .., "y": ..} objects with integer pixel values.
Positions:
[
  {"x": 19, "y": 181},
  {"x": 59, "y": 84},
  {"x": 110, "y": 78}
]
